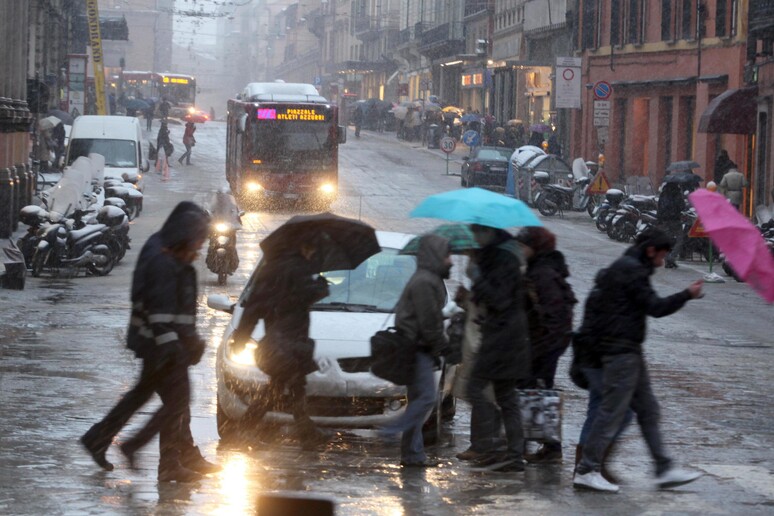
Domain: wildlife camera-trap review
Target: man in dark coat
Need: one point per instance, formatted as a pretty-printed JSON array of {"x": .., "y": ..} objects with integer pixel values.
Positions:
[
  {"x": 286, "y": 287},
  {"x": 627, "y": 300},
  {"x": 550, "y": 305},
  {"x": 419, "y": 317},
  {"x": 671, "y": 204},
  {"x": 162, "y": 332},
  {"x": 504, "y": 357},
  {"x": 723, "y": 164}
]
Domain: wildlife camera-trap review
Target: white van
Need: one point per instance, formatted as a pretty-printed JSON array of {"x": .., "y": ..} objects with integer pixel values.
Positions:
[{"x": 117, "y": 138}]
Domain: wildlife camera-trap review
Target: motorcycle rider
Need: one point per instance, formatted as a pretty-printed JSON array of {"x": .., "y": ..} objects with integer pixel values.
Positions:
[{"x": 223, "y": 208}]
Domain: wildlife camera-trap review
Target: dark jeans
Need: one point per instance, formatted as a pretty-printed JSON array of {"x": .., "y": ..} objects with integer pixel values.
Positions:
[
  {"x": 594, "y": 377},
  {"x": 674, "y": 228},
  {"x": 296, "y": 385},
  {"x": 625, "y": 384},
  {"x": 171, "y": 382},
  {"x": 485, "y": 422},
  {"x": 186, "y": 155},
  {"x": 507, "y": 398}
]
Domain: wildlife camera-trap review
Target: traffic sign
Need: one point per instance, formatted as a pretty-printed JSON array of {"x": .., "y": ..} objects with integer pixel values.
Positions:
[
  {"x": 599, "y": 185},
  {"x": 448, "y": 144},
  {"x": 697, "y": 230},
  {"x": 602, "y": 90},
  {"x": 471, "y": 138}
]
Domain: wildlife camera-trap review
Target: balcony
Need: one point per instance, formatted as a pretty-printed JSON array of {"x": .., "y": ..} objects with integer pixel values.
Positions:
[
  {"x": 761, "y": 16},
  {"x": 371, "y": 27},
  {"x": 443, "y": 40}
]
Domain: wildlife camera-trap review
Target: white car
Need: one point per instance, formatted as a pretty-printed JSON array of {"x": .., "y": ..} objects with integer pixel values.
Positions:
[{"x": 343, "y": 393}]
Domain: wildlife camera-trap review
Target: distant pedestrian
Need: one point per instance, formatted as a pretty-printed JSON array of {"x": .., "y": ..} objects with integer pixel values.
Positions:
[
  {"x": 629, "y": 299},
  {"x": 732, "y": 186},
  {"x": 189, "y": 141},
  {"x": 164, "y": 108},
  {"x": 722, "y": 165},
  {"x": 286, "y": 287},
  {"x": 357, "y": 119},
  {"x": 550, "y": 306},
  {"x": 504, "y": 356},
  {"x": 112, "y": 103},
  {"x": 163, "y": 144},
  {"x": 58, "y": 136},
  {"x": 212, "y": 113},
  {"x": 162, "y": 333},
  {"x": 669, "y": 212},
  {"x": 419, "y": 317},
  {"x": 148, "y": 113}
]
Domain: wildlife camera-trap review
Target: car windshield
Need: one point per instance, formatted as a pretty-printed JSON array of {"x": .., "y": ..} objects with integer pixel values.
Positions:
[
  {"x": 118, "y": 153},
  {"x": 375, "y": 285},
  {"x": 494, "y": 154}
]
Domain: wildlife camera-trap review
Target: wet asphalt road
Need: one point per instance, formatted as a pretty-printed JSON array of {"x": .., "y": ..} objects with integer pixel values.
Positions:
[{"x": 63, "y": 365}]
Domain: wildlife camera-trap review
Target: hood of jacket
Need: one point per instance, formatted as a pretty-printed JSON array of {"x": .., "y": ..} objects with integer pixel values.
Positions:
[
  {"x": 553, "y": 259},
  {"x": 433, "y": 250},
  {"x": 187, "y": 223}
]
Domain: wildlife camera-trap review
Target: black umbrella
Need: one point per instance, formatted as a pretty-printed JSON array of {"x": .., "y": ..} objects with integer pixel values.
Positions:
[
  {"x": 682, "y": 165},
  {"x": 684, "y": 178},
  {"x": 342, "y": 243},
  {"x": 138, "y": 104},
  {"x": 65, "y": 117}
]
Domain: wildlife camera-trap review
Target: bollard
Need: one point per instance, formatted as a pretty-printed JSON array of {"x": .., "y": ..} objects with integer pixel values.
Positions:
[
  {"x": 30, "y": 183},
  {"x": 6, "y": 203},
  {"x": 15, "y": 200},
  {"x": 22, "y": 188}
]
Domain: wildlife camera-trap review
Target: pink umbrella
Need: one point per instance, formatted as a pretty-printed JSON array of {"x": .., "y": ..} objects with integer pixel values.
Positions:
[{"x": 738, "y": 239}]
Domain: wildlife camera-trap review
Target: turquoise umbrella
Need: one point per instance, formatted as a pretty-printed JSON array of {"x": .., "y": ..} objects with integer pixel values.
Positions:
[
  {"x": 477, "y": 206},
  {"x": 460, "y": 239}
]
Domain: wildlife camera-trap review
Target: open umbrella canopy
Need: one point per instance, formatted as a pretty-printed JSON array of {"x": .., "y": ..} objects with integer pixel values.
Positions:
[
  {"x": 65, "y": 117},
  {"x": 514, "y": 121},
  {"x": 341, "y": 243},
  {"x": 540, "y": 128},
  {"x": 477, "y": 206},
  {"x": 137, "y": 104},
  {"x": 432, "y": 107},
  {"x": 48, "y": 123},
  {"x": 684, "y": 178},
  {"x": 460, "y": 239},
  {"x": 453, "y": 109},
  {"x": 470, "y": 117},
  {"x": 740, "y": 241},
  {"x": 682, "y": 165}
]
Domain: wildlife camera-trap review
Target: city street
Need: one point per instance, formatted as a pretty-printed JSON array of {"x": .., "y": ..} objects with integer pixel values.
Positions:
[{"x": 63, "y": 364}]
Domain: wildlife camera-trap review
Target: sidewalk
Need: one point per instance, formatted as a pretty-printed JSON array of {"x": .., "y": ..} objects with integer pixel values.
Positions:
[{"x": 455, "y": 158}]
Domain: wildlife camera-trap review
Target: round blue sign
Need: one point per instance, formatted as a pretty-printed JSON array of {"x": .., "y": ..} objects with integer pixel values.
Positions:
[
  {"x": 602, "y": 90},
  {"x": 471, "y": 138}
]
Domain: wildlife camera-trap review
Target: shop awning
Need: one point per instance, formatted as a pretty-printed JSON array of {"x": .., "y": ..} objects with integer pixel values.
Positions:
[{"x": 731, "y": 112}]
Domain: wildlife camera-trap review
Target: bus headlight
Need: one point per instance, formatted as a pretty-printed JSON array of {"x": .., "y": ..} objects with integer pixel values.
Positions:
[
  {"x": 327, "y": 188},
  {"x": 244, "y": 355},
  {"x": 254, "y": 187}
]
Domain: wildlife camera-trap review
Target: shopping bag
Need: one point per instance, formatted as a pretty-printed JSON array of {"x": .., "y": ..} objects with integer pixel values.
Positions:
[
  {"x": 541, "y": 414},
  {"x": 392, "y": 356}
]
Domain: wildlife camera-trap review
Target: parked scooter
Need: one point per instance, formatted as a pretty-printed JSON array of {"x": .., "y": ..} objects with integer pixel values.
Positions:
[
  {"x": 603, "y": 210},
  {"x": 624, "y": 224},
  {"x": 553, "y": 198}
]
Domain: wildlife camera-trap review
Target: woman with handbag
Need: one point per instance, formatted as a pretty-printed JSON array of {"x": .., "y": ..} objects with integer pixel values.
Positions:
[
  {"x": 189, "y": 141},
  {"x": 550, "y": 303}
]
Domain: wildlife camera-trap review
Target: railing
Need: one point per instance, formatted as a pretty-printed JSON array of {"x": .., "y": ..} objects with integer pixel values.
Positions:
[{"x": 453, "y": 31}]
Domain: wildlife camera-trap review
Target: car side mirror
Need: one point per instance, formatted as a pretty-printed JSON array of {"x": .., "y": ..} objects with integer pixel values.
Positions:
[
  {"x": 145, "y": 165},
  {"x": 342, "y": 134},
  {"x": 221, "y": 302}
]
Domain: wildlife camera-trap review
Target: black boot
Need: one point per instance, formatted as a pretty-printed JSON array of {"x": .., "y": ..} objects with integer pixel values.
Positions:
[
  {"x": 97, "y": 447},
  {"x": 175, "y": 472},
  {"x": 194, "y": 461}
]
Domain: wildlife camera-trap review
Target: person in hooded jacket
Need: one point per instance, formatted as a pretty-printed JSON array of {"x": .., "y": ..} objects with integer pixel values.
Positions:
[
  {"x": 504, "y": 356},
  {"x": 550, "y": 306},
  {"x": 419, "y": 317},
  {"x": 162, "y": 333},
  {"x": 627, "y": 300},
  {"x": 286, "y": 286}
]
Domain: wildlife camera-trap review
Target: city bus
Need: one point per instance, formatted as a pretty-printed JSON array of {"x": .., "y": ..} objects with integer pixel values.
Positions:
[
  {"x": 178, "y": 89},
  {"x": 282, "y": 143}
]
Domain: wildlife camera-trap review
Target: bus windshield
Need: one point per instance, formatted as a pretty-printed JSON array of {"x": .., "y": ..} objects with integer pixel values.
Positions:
[{"x": 281, "y": 140}]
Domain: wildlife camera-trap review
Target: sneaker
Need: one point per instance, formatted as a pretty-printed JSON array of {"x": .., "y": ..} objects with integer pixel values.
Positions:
[
  {"x": 195, "y": 462},
  {"x": 674, "y": 477},
  {"x": 593, "y": 480},
  {"x": 545, "y": 455},
  {"x": 469, "y": 454},
  {"x": 178, "y": 473},
  {"x": 513, "y": 465},
  {"x": 97, "y": 451}
]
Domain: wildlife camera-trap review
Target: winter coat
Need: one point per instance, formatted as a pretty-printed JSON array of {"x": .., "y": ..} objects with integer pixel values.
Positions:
[
  {"x": 626, "y": 298},
  {"x": 285, "y": 288},
  {"x": 671, "y": 203},
  {"x": 163, "y": 319},
  {"x": 504, "y": 353},
  {"x": 188, "y": 135},
  {"x": 732, "y": 186},
  {"x": 551, "y": 303},
  {"x": 419, "y": 312}
]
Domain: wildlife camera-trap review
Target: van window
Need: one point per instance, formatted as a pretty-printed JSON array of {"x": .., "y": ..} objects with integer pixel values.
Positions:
[{"x": 118, "y": 153}]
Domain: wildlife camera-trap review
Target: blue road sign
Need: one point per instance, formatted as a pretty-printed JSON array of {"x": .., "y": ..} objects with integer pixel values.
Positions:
[
  {"x": 471, "y": 138},
  {"x": 317, "y": 80},
  {"x": 602, "y": 90}
]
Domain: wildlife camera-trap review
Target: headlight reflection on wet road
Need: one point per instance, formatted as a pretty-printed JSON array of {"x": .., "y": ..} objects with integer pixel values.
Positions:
[{"x": 234, "y": 488}]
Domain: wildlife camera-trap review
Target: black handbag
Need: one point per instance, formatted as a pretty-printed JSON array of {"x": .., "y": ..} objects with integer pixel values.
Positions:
[
  {"x": 456, "y": 334},
  {"x": 393, "y": 356}
]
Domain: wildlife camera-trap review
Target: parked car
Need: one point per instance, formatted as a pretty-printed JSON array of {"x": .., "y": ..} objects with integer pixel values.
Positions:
[
  {"x": 343, "y": 392},
  {"x": 486, "y": 167}
]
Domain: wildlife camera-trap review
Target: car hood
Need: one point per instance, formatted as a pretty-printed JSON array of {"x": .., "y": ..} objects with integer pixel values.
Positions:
[{"x": 346, "y": 334}]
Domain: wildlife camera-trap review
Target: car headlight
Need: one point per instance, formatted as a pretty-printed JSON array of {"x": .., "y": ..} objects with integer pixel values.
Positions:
[
  {"x": 327, "y": 188},
  {"x": 252, "y": 186},
  {"x": 244, "y": 355},
  {"x": 191, "y": 110}
]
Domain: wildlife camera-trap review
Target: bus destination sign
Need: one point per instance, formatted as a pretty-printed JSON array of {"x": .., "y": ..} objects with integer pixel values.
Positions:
[
  {"x": 175, "y": 80},
  {"x": 290, "y": 113}
]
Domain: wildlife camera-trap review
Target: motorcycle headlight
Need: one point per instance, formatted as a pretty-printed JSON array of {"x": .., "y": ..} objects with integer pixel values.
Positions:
[
  {"x": 222, "y": 240},
  {"x": 327, "y": 188},
  {"x": 221, "y": 227},
  {"x": 243, "y": 355}
]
